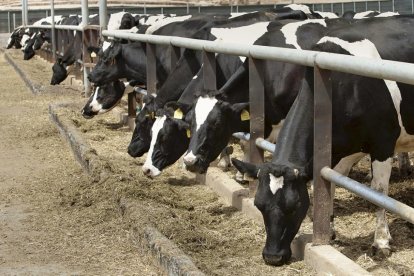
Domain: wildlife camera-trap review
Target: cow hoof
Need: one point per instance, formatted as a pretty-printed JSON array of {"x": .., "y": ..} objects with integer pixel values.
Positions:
[
  {"x": 333, "y": 235},
  {"x": 380, "y": 253}
]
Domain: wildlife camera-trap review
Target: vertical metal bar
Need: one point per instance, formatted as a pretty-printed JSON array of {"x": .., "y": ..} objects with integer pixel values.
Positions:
[
  {"x": 103, "y": 15},
  {"x": 162, "y": 10},
  {"x": 23, "y": 23},
  {"x": 331, "y": 7},
  {"x": 52, "y": 13},
  {"x": 379, "y": 6},
  {"x": 26, "y": 12},
  {"x": 354, "y": 7},
  {"x": 199, "y": 9},
  {"x": 393, "y": 6},
  {"x": 237, "y": 8},
  {"x": 342, "y": 4},
  {"x": 322, "y": 155},
  {"x": 151, "y": 69},
  {"x": 8, "y": 21},
  {"x": 188, "y": 7},
  {"x": 209, "y": 71},
  {"x": 145, "y": 8},
  {"x": 14, "y": 21},
  {"x": 256, "y": 98},
  {"x": 366, "y": 5},
  {"x": 47, "y": 13},
  {"x": 321, "y": 7},
  {"x": 175, "y": 56},
  {"x": 412, "y": 6},
  {"x": 85, "y": 19}
]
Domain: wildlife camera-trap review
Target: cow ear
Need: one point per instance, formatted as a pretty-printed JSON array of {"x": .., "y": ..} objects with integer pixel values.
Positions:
[
  {"x": 93, "y": 49},
  {"x": 116, "y": 50},
  {"x": 251, "y": 170},
  {"x": 177, "y": 105},
  {"x": 241, "y": 111},
  {"x": 59, "y": 61}
]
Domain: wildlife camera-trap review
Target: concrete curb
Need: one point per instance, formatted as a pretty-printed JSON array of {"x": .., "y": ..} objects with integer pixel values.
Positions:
[
  {"x": 167, "y": 254},
  {"x": 324, "y": 259},
  {"x": 83, "y": 152},
  {"x": 35, "y": 90}
]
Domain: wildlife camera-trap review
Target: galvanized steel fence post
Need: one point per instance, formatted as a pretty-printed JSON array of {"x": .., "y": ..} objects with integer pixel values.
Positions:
[
  {"x": 8, "y": 21},
  {"x": 257, "y": 107},
  {"x": 53, "y": 31},
  {"x": 86, "y": 70},
  {"x": 322, "y": 155}
]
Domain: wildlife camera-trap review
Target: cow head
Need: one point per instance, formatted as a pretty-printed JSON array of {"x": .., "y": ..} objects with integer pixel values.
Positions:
[
  {"x": 107, "y": 68},
  {"x": 170, "y": 136},
  {"x": 40, "y": 38},
  {"x": 28, "y": 51},
  {"x": 212, "y": 124},
  {"x": 141, "y": 137},
  {"x": 282, "y": 198},
  {"x": 15, "y": 39},
  {"x": 103, "y": 99},
  {"x": 59, "y": 72}
]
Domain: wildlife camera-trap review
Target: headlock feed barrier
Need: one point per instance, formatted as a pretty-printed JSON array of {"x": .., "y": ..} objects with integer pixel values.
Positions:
[{"x": 323, "y": 64}]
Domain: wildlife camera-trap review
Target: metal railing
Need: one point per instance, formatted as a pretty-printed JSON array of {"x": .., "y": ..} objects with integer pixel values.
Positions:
[{"x": 323, "y": 63}]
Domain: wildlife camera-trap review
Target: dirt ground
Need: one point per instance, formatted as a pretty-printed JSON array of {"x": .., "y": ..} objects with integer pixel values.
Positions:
[{"x": 220, "y": 240}]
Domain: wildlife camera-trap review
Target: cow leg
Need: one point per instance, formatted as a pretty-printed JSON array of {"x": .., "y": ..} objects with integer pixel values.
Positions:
[
  {"x": 245, "y": 147},
  {"x": 381, "y": 172},
  {"x": 224, "y": 158},
  {"x": 343, "y": 167},
  {"x": 403, "y": 163}
]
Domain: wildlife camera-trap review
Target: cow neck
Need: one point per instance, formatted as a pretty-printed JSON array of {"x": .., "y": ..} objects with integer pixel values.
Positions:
[{"x": 295, "y": 141}]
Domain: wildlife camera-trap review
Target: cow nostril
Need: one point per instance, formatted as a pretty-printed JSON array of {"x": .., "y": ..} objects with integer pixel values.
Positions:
[
  {"x": 190, "y": 159},
  {"x": 146, "y": 171}
]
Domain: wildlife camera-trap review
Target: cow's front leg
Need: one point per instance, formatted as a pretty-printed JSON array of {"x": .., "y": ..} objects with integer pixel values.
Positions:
[
  {"x": 224, "y": 158},
  {"x": 381, "y": 171}
]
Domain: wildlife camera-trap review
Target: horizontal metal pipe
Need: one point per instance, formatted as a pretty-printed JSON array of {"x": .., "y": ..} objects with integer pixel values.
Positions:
[
  {"x": 260, "y": 142},
  {"x": 141, "y": 90},
  {"x": 404, "y": 211},
  {"x": 265, "y": 145},
  {"x": 383, "y": 69},
  {"x": 58, "y": 27},
  {"x": 242, "y": 136}
]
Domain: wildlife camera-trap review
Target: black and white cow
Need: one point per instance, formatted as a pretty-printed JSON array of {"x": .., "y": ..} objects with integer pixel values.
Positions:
[
  {"x": 370, "y": 116},
  {"x": 15, "y": 38}
]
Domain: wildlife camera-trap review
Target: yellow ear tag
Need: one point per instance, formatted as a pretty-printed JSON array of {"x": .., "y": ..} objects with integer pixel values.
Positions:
[
  {"x": 178, "y": 114},
  {"x": 188, "y": 133},
  {"x": 245, "y": 115},
  {"x": 93, "y": 55}
]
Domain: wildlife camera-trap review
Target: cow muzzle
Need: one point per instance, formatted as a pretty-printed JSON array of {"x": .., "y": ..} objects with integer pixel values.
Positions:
[{"x": 190, "y": 159}]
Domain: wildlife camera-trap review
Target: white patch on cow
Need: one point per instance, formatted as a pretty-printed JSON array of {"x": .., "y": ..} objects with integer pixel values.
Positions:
[
  {"x": 148, "y": 165},
  {"x": 237, "y": 14},
  {"x": 24, "y": 40},
  {"x": 95, "y": 105},
  {"x": 33, "y": 35},
  {"x": 246, "y": 35},
  {"x": 74, "y": 33},
  {"x": 134, "y": 29},
  {"x": 195, "y": 77},
  {"x": 114, "y": 21},
  {"x": 9, "y": 41},
  {"x": 189, "y": 157},
  {"x": 361, "y": 15},
  {"x": 297, "y": 7},
  {"x": 105, "y": 45},
  {"x": 151, "y": 19},
  {"x": 161, "y": 23},
  {"x": 289, "y": 30},
  {"x": 275, "y": 183},
  {"x": 387, "y": 14},
  {"x": 203, "y": 108},
  {"x": 93, "y": 15},
  {"x": 327, "y": 14}
]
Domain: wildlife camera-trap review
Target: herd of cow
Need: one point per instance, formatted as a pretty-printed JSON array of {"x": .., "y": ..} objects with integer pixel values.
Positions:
[{"x": 370, "y": 116}]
